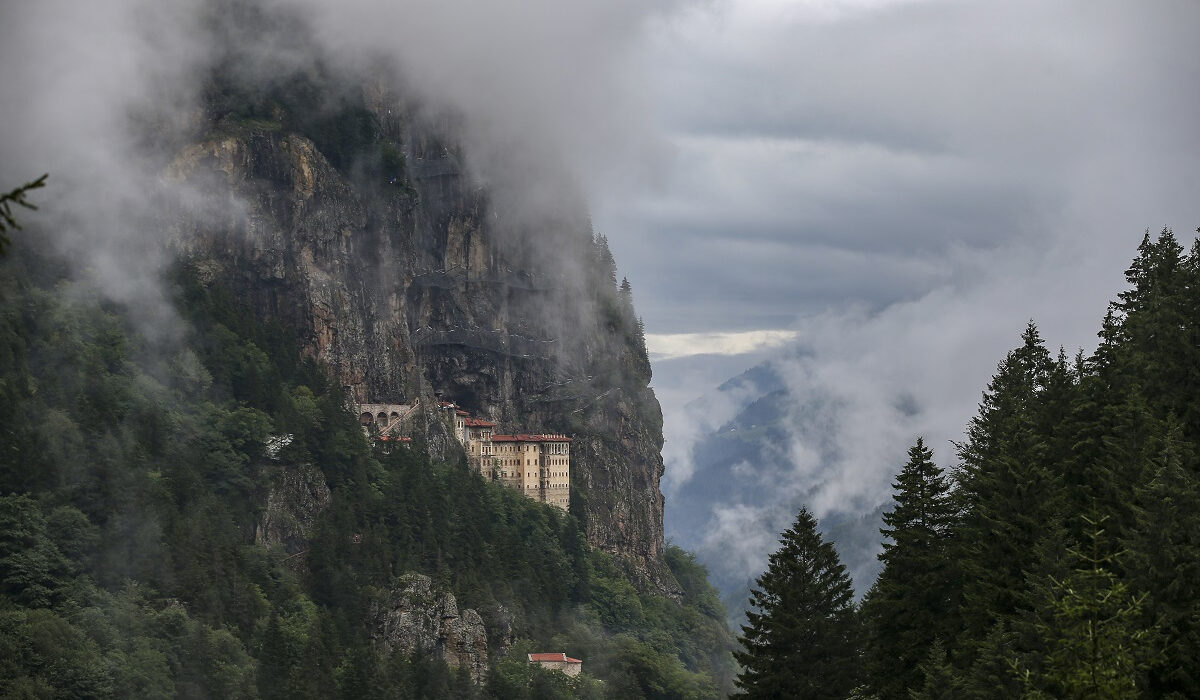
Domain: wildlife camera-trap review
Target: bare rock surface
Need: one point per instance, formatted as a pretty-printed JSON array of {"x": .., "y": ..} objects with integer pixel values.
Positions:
[
  {"x": 413, "y": 616},
  {"x": 421, "y": 286},
  {"x": 296, "y": 497}
]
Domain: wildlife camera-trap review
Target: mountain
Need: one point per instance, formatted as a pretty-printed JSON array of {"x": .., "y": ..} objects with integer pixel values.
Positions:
[
  {"x": 189, "y": 505},
  {"x": 362, "y": 228},
  {"x": 743, "y": 487}
]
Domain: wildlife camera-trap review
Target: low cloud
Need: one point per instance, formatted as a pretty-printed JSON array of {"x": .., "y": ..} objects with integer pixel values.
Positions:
[
  {"x": 832, "y": 153},
  {"x": 904, "y": 185}
]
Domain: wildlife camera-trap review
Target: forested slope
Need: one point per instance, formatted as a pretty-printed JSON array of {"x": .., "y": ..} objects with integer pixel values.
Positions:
[
  {"x": 142, "y": 553},
  {"x": 1059, "y": 557}
]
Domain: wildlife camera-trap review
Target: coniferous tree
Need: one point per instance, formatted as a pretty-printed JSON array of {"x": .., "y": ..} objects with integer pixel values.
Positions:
[
  {"x": 938, "y": 680},
  {"x": 1154, "y": 323},
  {"x": 801, "y": 638},
  {"x": 1009, "y": 491},
  {"x": 904, "y": 611},
  {"x": 1189, "y": 413},
  {"x": 605, "y": 260},
  {"x": 1164, "y": 561},
  {"x": 990, "y": 674},
  {"x": 1095, "y": 643}
]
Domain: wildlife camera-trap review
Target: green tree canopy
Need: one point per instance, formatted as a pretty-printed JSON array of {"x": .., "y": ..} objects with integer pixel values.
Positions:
[
  {"x": 905, "y": 610},
  {"x": 801, "y": 638}
]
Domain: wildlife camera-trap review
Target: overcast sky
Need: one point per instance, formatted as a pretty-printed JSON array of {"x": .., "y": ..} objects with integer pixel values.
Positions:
[
  {"x": 894, "y": 187},
  {"x": 897, "y": 188}
]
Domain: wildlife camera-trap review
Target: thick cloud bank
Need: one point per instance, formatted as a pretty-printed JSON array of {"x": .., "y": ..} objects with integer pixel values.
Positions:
[
  {"x": 547, "y": 96},
  {"x": 904, "y": 185}
]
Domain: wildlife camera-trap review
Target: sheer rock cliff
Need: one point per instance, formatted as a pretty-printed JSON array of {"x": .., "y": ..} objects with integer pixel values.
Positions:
[{"x": 401, "y": 273}]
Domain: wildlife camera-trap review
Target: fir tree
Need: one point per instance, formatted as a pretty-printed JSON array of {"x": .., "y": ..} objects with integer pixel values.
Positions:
[
  {"x": 1095, "y": 641},
  {"x": 1009, "y": 490},
  {"x": 1164, "y": 560},
  {"x": 605, "y": 261},
  {"x": 938, "y": 680},
  {"x": 801, "y": 637},
  {"x": 1156, "y": 323},
  {"x": 905, "y": 609}
]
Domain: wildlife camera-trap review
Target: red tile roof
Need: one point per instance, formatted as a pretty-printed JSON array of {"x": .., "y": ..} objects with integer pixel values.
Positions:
[
  {"x": 479, "y": 423},
  {"x": 524, "y": 437},
  {"x": 553, "y": 657},
  {"x": 397, "y": 439},
  {"x": 462, "y": 412}
]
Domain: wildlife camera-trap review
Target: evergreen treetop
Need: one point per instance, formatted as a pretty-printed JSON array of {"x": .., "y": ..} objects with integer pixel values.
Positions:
[
  {"x": 801, "y": 638},
  {"x": 906, "y": 609}
]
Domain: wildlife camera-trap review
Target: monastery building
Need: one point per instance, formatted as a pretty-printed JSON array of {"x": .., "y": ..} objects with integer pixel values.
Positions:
[{"x": 539, "y": 466}]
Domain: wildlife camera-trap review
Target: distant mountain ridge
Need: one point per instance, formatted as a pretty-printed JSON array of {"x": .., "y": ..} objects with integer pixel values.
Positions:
[{"x": 743, "y": 489}]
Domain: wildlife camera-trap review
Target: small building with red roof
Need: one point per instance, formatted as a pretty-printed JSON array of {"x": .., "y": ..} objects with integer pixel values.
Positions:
[{"x": 557, "y": 661}]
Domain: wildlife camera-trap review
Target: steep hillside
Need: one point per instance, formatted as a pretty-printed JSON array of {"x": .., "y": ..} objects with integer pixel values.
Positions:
[
  {"x": 354, "y": 219},
  {"x": 203, "y": 517}
]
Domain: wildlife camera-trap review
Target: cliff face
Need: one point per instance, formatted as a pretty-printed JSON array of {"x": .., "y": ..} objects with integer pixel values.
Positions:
[{"x": 402, "y": 276}]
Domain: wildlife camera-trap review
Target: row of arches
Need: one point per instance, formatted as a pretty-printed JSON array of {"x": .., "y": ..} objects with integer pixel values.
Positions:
[{"x": 381, "y": 419}]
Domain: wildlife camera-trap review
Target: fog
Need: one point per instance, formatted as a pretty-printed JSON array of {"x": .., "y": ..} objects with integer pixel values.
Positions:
[
  {"x": 903, "y": 185},
  {"x": 894, "y": 188}
]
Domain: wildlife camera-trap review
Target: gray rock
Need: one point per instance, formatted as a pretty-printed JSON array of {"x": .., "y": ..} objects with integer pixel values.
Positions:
[
  {"x": 427, "y": 287},
  {"x": 297, "y": 495},
  {"x": 413, "y": 616}
]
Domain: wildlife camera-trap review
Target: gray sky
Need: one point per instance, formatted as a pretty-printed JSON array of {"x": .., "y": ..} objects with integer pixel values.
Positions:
[{"x": 900, "y": 186}]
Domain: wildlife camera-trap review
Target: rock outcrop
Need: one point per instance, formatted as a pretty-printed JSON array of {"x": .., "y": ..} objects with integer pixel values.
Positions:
[
  {"x": 297, "y": 495},
  {"x": 399, "y": 272},
  {"x": 415, "y": 617}
]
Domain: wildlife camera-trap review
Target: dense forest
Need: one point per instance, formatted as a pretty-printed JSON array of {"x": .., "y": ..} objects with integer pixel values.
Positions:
[
  {"x": 135, "y": 472},
  {"x": 1058, "y": 558}
]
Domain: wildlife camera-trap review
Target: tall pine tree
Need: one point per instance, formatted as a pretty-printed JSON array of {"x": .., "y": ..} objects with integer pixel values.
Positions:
[
  {"x": 1009, "y": 491},
  {"x": 1096, "y": 643},
  {"x": 905, "y": 610},
  {"x": 1164, "y": 561},
  {"x": 801, "y": 638}
]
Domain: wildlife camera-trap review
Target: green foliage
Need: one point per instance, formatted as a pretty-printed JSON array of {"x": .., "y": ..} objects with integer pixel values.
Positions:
[
  {"x": 938, "y": 679},
  {"x": 1095, "y": 645},
  {"x": 1063, "y": 561},
  {"x": 131, "y": 489},
  {"x": 33, "y": 571},
  {"x": 903, "y": 610},
  {"x": 801, "y": 639},
  {"x": 1162, "y": 558},
  {"x": 1009, "y": 488}
]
